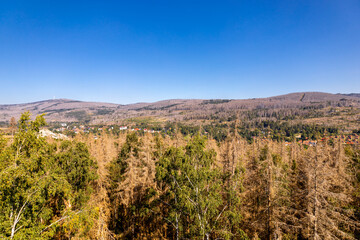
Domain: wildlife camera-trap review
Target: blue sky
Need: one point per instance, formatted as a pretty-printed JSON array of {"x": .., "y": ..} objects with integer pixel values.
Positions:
[{"x": 135, "y": 51}]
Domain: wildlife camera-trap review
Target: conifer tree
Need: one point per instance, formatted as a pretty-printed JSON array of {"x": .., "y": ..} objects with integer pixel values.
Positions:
[
  {"x": 328, "y": 212},
  {"x": 193, "y": 190},
  {"x": 12, "y": 125},
  {"x": 232, "y": 186},
  {"x": 130, "y": 177}
]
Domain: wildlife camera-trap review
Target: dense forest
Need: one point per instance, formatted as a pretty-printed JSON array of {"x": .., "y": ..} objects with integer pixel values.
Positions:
[{"x": 183, "y": 185}]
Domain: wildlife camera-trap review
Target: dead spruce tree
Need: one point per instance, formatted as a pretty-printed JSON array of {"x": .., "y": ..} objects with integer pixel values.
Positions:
[
  {"x": 328, "y": 213},
  {"x": 126, "y": 187},
  {"x": 233, "y": 172},
  {"x": 267, "y": 196}
]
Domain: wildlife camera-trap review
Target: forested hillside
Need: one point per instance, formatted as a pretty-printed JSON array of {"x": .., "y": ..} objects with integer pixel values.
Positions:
[
  {"x": 135, "y": 185},
  {"x": 309, "y": 107}
]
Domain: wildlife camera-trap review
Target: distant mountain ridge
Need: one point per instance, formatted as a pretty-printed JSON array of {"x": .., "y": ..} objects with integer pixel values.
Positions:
[
  {"x": 352, "y": 94},
  {"x": 67, "y": 110}
]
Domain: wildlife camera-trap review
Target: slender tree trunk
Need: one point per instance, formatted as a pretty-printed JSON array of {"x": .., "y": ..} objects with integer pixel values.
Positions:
[
  {"x": 315, "y": 196},
  {"x": 12, "y": 231},
  {"x": 269, "y": 198},
  {"x": 177, "y": 227}
]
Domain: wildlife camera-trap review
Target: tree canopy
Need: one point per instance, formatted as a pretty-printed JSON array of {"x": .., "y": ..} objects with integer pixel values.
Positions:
[{"x": 43, "y": 187}]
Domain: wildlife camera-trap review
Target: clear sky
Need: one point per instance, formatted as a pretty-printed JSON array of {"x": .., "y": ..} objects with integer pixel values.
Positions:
[{"x": 135, "y": 51}]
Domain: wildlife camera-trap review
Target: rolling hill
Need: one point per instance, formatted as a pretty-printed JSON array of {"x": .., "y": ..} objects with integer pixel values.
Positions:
[{"x": 306, "y": 105}]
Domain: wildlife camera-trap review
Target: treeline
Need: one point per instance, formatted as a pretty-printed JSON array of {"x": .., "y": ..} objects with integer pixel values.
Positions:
[
  {"x": 280, "y": 131},
  {"x": 146, "y": 186},
  {"x": 273, "y": 112},
  {"x": 275, "y": 130}
]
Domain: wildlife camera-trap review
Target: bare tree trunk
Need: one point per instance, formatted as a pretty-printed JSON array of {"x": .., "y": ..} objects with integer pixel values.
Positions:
[
  {"x": 177, "y": 228},
  {"x": 315, "y": 196},
  {"x": 269, "y": 197}
]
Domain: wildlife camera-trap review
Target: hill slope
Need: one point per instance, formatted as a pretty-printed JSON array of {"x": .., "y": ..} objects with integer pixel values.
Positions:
[{"x": 65, "y": 110}]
